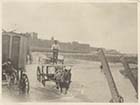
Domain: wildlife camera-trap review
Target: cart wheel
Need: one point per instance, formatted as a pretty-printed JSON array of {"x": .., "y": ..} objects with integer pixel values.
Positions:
[
  {"x": 12, "y": 79},
  {"x": 38, "y": 74},
  {"x": 24, "y": 84},
  {"x": 62, "y": 61}
]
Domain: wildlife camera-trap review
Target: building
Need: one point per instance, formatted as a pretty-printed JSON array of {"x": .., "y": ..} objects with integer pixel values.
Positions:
[{"x": 74, "y": 47}]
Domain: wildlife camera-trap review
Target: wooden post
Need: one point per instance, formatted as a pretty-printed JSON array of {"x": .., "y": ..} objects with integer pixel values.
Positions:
[
  {"x": 130, "y": 74},
  {"x": 114, "y": 92},
  {"x": 10, "y": 47}
]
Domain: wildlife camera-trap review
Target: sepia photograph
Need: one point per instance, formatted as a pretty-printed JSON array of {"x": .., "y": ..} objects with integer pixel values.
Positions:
[{"x": 70, "y": 52}]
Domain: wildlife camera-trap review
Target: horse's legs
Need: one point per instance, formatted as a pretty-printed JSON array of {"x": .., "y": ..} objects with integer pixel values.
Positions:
[
  {"x": 61, "y": 90},
  {"x": 66, "y": 89},
  {"x": 60, "y": 85},
  {"x": 57, "y": 87}
]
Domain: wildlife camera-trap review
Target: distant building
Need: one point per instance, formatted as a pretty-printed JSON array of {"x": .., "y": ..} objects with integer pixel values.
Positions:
[
  {"x": 111, "y": 51},
  {"x": 34, "y": 35},
  {"x": 93, "y": 49},
  {"x": 73, "y": 47},
  {"x": 75, "y": 42},
  {"x": 52, "y": 38}
]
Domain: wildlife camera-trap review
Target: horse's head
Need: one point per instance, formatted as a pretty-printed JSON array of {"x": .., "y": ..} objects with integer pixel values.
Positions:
[
  {"x": 66, "y": 75},
  {"x": 67, "y": 68}
]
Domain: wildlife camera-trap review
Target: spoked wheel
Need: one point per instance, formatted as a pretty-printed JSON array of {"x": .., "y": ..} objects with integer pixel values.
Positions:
[
  {"x": 38, "y": 74},
  {"x": 62, "y": 61},
  {"x": 24, "y": 84},
  {"x": 13, "y": 79}
]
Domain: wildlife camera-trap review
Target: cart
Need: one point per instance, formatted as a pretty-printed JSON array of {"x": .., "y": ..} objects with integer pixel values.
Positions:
[
  {"x": 49, "y": 60},
  {"x": 15, "y": 46},
  {"x": 46, "y": 72}
]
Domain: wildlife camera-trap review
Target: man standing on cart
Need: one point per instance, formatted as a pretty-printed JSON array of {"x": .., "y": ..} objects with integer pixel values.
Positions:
[{"x": 55, "y": 48}]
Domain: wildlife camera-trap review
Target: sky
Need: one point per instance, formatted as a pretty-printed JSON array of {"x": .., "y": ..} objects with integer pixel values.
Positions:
[{"x": 108, "y": 25}]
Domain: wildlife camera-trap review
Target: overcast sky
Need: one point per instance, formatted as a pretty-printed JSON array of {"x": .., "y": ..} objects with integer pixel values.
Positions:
[{"x": 109, "y": 25}]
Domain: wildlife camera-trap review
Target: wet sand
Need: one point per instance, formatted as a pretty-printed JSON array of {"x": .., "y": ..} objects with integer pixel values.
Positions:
[{"x": 88, "y": 85}]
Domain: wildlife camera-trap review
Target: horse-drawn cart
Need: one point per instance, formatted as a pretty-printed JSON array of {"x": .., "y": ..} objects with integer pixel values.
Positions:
[
  {"x": 58, "y": 73},
  {"x": 14, "y": 50}
]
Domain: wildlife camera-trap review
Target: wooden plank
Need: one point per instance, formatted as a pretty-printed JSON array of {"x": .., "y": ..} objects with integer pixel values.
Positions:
[
  {"x": 10, "y": 48},
  {"x": 5, "y": 47},
  {"x": 113, "y": 89},
  {"x": 130, "y": 74},
  {"x": 23, "y": 52},
  {"x": 15, "y": 53}
]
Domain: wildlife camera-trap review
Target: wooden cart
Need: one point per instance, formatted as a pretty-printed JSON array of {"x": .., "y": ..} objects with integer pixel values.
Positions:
[{"x": 46, "y": 72}]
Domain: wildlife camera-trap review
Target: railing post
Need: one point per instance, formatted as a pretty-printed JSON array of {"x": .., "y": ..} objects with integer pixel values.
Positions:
[
  {"x": 113, "y": 89},
  {"x": 10, "y": 47},
  {"x": 130, "y": 74}
]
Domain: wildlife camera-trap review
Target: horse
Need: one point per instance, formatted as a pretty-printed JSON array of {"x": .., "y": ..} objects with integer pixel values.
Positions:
[{"x": 63, "y": 80}]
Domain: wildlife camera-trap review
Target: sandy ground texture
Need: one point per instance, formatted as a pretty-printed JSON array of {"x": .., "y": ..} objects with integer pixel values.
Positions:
[{"x": 88, "y": 85}]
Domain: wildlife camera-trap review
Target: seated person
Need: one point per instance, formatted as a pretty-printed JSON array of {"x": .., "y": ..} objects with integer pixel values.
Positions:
[{"x": 7, "y": 69}]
